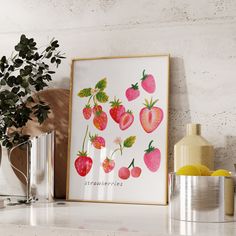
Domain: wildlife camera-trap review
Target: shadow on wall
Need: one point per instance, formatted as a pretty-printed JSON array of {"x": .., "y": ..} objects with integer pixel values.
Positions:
[
  {"x": 225, "y": 157},
  {"x": 58, "y": 100},
  {"x": 179, "y": 112}
]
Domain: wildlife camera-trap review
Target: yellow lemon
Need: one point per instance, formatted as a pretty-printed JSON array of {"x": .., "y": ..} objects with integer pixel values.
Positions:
[
  {"x": 189, "y": 170},
  {"x": 221, "y": 172},
  {"x": 203, "y": 169}
]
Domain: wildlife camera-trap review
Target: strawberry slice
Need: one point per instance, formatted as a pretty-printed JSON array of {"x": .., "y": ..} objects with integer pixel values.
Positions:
[
  {"x": 150, "y": 116},
  {"x": 126, "y": 120}
]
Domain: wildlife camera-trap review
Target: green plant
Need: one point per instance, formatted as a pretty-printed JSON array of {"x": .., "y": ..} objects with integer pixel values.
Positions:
[{"x": 26, "y": 72}]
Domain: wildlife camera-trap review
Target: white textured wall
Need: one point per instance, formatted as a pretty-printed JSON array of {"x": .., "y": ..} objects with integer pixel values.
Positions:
[{"x": 199, "y": 35}]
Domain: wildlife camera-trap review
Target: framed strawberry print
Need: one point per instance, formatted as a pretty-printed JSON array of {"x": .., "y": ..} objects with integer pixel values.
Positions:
[{"x": 118, "y": 130}]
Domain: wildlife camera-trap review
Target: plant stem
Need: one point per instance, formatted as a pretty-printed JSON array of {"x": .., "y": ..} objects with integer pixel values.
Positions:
[
  {"x": 94, "y": 101},
  {"x": 88, "y": 103},
  {"x": 131, "y": 164},
  {"x": 150, "y": 144},
  {"x": 84, "y": 138},
  {"x": 118, "y": 149},
  {"x": 121, "y": 150}
]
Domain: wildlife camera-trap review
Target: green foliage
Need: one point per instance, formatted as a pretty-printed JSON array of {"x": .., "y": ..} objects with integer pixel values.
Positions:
[
  {"x": 102, "y": 97},
  {"x": 129, "y": 141},
  {"x": 21, "y": 75},
  {"x": 102, "y": 84},
  {"x": 84, "y": 92}
]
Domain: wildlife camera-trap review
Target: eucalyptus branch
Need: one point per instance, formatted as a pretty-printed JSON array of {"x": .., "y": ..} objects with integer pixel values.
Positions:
[{"x": 22, "y": 75}]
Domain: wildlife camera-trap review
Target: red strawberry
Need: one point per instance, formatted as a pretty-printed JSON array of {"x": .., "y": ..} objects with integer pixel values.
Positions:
[
  {"x": 148, "y": 83},
  {"x": 116, "y": 110},
  {"x": 97, "y": 108},
  {"x": 152, "y": 158},
  {"x": 83, "y": 164},
  {"x": 132, "y": 92},
  {"x": 100, "y": 120},
  {"x": 126, "y": 120},
  {"x": 108, "y": 165},
  {"x": 136, "y": 172},
  {"x": 150, "y": 117},
  {"x": 87, "y": 112},
  {"x": 97, "y": 141},
  {"x": 124, "y": 173}
]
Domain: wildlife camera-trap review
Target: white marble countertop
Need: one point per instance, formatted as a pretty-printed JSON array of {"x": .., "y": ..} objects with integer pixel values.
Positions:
[{"x": 90, "y": 219}]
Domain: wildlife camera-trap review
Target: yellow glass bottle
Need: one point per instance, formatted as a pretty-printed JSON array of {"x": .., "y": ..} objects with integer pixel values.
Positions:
[{"x": 193, "y": 149}]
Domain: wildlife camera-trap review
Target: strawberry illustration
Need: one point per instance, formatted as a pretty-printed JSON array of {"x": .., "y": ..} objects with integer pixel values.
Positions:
[
  {"x": 97, "y": 141},
  {"x": 126, "y": 120},
  {"x": 152, "y": 158},
  {"x": 148, "y": 82},
  {"x": 95, "y": 95},
  {"x": 87, "y": 112},
  {"x": 150, "y": 117},
  {"x": 83, "y": 162},
  {"x": 132, "y": 92},
  {"x": 108, "y": 165},
  {"x": 124, "y": 172},
  {"x": 97, "y": 108},
  {"x": 116, "y": 110},
  {"x": 100, "y": 120}
]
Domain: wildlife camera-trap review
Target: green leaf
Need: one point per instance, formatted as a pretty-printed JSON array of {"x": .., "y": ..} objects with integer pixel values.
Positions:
[
  {"x": 84, "y": 92},
  {"x": 15, "y": 89},
  {"x": 30, "y": 99},
  {"x": 53, "y": 59},
  {"x": 18, "y": 62},
  {"x": 102, "y": 84},
  {"x": 3, "y": 82},
  {"x": 102, "y": 97},
  {"x": 49, "y": 55},
  {"x": 129, "y": 141}
]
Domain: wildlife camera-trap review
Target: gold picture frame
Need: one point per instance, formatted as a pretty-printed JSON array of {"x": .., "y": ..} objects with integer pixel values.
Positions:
[{"x": 76, "y": 60}]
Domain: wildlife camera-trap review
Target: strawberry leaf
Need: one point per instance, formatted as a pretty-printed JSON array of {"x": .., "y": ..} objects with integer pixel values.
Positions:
[
  {"x": 84, "y": 92},
  {"x": 129, "y": 141},
  {"x": 102, "y": 97},
  {"x": 102, "y": 84}
]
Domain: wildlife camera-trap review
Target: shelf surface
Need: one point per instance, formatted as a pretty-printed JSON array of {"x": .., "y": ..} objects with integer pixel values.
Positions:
[{"x": 99, "y": 219}]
